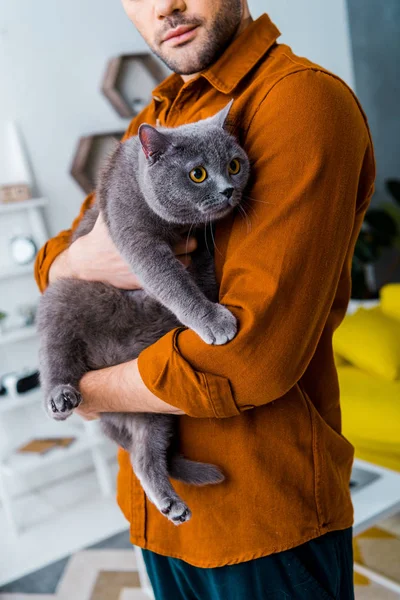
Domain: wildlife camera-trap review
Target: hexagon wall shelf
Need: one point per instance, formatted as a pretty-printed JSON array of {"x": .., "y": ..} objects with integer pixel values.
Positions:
[
  {"x": 91, "y": 152},
  {"x": 129, "y": 81}
]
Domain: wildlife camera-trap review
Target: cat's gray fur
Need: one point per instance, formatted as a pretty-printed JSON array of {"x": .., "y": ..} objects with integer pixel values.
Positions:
[{"x": 148, "y": 201}]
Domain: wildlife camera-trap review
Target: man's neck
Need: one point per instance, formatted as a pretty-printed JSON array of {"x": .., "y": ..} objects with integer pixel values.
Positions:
[{"x": 246, "y": 21}]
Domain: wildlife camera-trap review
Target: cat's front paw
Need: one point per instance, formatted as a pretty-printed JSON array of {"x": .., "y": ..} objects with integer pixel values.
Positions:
[
  {"x": 61, "y": 402},
  {"x": 218, "y": 327}
]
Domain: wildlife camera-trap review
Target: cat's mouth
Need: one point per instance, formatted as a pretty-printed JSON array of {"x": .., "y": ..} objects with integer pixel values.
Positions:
[
  {"x": 222, "y": 209},
  {"x": 215, "y": 206}
]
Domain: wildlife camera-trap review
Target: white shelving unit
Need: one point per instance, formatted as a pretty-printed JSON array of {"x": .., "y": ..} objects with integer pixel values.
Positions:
[
  {"x": 16, "y": 272},
  {"x": 14, "y": 463},
  {"x": 26, "y": 205},
  {"x": 17, "y": 335},
  {"x": 88, "y": 435},
  {"x": 21, "y": 401}
]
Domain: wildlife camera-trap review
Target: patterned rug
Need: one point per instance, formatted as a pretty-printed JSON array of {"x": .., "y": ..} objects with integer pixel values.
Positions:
[
  {"x": 378, "y": 548},
  {"x": 107, "y": 570}
]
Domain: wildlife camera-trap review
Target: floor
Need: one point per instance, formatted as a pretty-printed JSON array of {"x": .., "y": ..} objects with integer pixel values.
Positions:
[
  {"x": 104, "y": 571},
  {"x": 379, "y": 549},
  {"x": 55, "y": 522}
]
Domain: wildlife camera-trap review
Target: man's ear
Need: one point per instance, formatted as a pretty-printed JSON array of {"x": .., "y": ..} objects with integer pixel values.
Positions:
[
  {"x": 153, "y": 142},
  {"x": 220, "y": 118}
]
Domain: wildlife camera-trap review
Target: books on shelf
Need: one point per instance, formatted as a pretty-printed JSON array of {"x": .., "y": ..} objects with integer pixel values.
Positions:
[{"x": 44, "y": 445}]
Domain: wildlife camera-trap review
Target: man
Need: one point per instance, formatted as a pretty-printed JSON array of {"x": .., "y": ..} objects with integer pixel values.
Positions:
[{"x": 264, "y": 407}]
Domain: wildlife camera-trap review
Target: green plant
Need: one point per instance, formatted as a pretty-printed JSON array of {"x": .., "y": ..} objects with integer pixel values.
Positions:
[{"x": 380, "y": 229}]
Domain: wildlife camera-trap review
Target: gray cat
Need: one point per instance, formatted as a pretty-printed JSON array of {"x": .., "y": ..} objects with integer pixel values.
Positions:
[{"x": 155, "y": 187}]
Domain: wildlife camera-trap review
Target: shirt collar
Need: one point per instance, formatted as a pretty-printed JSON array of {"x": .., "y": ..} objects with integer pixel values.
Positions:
[{"x": 237, "y": 60}]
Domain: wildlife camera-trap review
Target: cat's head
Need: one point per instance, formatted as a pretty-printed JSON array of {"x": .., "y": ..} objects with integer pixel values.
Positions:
[{"x": 194, "y": 173}]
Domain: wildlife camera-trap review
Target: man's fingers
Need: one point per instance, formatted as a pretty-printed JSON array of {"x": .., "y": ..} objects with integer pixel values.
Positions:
[{"x": 185, "y": 247}]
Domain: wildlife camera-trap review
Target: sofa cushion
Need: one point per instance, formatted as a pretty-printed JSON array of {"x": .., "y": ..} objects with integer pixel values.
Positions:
[
  {"x": 339, "y": 360},
  {"x": 371, "y": 415},
  {"x": 390, "y": 300},
  {"x": 370, "y": 340}
]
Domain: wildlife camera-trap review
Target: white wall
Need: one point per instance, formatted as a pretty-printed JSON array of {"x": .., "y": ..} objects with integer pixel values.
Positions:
[
  {"x": 52, "y": 59},
  {"x": 316, "y": 29}
]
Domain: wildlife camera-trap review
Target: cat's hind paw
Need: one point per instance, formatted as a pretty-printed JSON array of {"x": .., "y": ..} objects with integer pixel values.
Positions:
[
  {"x": 61, "y": 402},
  {"x": 176, "y": 511}
]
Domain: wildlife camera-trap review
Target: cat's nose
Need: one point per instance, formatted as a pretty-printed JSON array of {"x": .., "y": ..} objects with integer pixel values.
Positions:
[{"x": 228, "y": 192}]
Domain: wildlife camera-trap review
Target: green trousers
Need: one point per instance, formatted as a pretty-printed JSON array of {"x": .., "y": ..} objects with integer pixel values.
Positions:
[{"x": 318, "y": 570}]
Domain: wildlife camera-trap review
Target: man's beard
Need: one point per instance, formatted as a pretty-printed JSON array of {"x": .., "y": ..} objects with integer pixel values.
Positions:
[{"x": 219, "y": 35}]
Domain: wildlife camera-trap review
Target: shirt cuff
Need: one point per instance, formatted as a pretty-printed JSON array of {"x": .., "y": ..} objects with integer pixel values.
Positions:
[
  {"x": 171, "y": 378},
  {"x": 45, "y": 258}
]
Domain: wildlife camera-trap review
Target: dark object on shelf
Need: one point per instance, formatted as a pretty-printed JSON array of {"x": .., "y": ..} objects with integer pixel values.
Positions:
[
  {"x": 380, "y": 229},
  {"x": 3, "y": 317},
  {"x": 28, "y": 312},
  {"x": 129, "y": 81},
  {"x": 3, "y": 391},
  {"x": 90, "y": 155},
  {"x": 19, "y": 383},
  {"x": 28, "y": 382}
]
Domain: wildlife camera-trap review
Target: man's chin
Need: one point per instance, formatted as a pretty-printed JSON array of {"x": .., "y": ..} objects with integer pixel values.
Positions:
[
  {"x": 187, "y": 58},
  {"x": 182, "y": 64}
]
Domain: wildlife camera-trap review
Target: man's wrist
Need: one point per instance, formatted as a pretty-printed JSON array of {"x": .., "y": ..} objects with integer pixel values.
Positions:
[{"x": 62, "y": 267}]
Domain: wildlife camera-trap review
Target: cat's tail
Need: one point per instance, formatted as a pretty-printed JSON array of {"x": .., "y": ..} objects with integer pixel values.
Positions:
[{"x": 195, "y": 473}]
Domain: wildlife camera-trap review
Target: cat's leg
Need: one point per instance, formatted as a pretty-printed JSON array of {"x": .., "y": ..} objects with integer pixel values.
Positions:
[
  {"x": 76, "y": 320},
  {"x": 151, "y": 435},
  {"x": 115, "y": 427},
  {"x": 62, "y": 325},
  {"x": 62, "y": 364},
  {"x": 159, "y": 271}
]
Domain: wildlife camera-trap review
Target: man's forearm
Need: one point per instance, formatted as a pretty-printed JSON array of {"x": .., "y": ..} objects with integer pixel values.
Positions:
[{"x": 119, "y": 389}]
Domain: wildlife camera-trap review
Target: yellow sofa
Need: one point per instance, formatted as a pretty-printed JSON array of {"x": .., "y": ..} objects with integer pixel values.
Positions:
[
  {"x": 371, "y": 415},
  {"x": 367, "y": 354}
]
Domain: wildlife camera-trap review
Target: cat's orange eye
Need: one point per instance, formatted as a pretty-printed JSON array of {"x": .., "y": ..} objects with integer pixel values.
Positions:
[
  {"x": 234, "y": 167},
  {"x": 198, "y": 175}
]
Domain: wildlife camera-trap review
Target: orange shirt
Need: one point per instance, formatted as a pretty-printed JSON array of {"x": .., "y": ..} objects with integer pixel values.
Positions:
[{"x": 264, "y": 407}]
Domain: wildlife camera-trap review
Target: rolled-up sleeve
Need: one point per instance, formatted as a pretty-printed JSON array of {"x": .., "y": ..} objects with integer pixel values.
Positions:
[
  {"x": 308, "y": 143},
  {"x": 53, "y": 247}
]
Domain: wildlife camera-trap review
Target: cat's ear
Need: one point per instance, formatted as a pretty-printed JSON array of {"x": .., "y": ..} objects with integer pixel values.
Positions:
[
  {"x": 153, "y": 142},
  {"x": 220, "y": 118}
]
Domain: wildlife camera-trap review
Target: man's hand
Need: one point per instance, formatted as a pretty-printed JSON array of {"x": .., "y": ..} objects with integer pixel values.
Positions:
[{"x": 94, "y": 257}]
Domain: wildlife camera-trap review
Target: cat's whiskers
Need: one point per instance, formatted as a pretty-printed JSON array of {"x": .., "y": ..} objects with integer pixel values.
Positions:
[
  {"x": 256, "y": 200},
  {"x": 250, "y": 208},
  {"x": 213, "y": 239},
  {"x": 205, "y": 237},
  {"x": 248, "y": 222},
  {"x": 188, "y": 236}
]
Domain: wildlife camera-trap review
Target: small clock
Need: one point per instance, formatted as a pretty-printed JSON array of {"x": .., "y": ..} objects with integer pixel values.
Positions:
[{"x": 23, "y": 249}]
